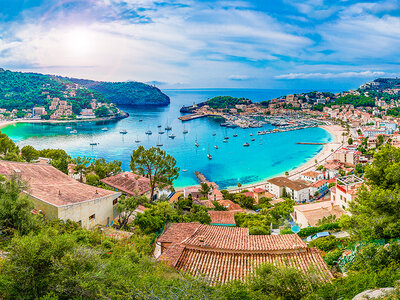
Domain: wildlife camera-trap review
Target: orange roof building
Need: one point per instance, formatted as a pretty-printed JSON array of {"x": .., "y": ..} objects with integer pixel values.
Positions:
[
  {"x": 57, "y": 195},
  {"x": 222, "y": 254}
]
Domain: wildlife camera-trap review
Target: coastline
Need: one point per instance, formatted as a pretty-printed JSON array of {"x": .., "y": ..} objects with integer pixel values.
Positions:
[
  {"x": 12, "y": 122},
  {"x": 327, "y": 151}
]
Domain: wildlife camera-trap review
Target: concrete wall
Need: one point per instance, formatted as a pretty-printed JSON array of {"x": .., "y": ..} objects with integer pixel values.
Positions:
[
  {"x": 102, "y": 208},
  {"x": 50, "y": 211}
]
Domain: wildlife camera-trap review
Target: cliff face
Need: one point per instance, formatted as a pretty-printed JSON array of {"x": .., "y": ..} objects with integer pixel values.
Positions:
[{"x": 126, "y": 93}]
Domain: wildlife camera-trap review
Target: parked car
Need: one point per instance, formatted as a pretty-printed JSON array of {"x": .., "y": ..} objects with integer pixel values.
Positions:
[{"x": 317, "y": 236}]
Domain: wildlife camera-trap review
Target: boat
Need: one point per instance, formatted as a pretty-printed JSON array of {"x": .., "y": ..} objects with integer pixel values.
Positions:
[
  {"x": 184, "y": 129},
  {"x": 184, "y": 170},
  {"x": 137, "y": 140},
  {"x": 251, "y": 134},
  {"x": 195, "y": 143},
  {"x": 216, "y": 147},
  {"x": 225, "y": 141},
  {"x": 104, "y": 129},
  {"x": 159, "y": 126},
  {"x": 94, "y": 144},
  {"x": 123, "y": 131},
  {"x": 148, "y": 132},
  {"x": 161, "y": 132},
  {"x": 209, "y": 156},
  {"x": 246, "y": 145},
  {"x": 214, "y": 134},
  {"x": 253, "y": 140},
  {"x": 68, "y": 127},
  {"x": 168, "y": 128},
  {"x": 159, "y": 144},
  {"x": 140, "y": 120},
  {"x": 226, "y": 138},
  {"x": 172, "y": 136},
  {"x": 235, "y": 135},
  {"x": 73, "y": 131}
]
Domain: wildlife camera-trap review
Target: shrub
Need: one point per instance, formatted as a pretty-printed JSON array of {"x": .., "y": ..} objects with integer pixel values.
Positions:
[{"x": 312, "y": 230}]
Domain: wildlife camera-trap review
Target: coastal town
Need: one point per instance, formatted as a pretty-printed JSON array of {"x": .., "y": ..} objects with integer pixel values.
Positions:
[{"x": 218, "y": 234}]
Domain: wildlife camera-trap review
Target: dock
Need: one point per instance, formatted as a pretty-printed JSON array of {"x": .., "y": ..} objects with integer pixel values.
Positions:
[
  {"x": 311, "y": 143},
  {"x": 192, "y": 117},
  {"x": 200, "y": 176}
]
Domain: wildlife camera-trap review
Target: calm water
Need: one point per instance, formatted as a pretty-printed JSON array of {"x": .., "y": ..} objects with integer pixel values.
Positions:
[{"x": 267, "y": 156}]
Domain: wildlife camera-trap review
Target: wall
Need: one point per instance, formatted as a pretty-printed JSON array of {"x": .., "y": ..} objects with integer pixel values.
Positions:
[{"x": 102, "y": 208}]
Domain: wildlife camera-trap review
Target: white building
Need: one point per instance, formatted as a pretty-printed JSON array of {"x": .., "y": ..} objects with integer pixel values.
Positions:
[
  {"x": 312, "y": 176},
  {"x": 345, "y": 190},
  {"x": 297, "y": 190}
]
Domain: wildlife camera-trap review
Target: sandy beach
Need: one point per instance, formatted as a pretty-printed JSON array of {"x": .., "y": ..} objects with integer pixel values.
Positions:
[{"x": 325, "y": 154}]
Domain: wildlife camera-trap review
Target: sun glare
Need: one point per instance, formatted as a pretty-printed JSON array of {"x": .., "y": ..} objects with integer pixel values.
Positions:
[{"x": 78, "y": 42}]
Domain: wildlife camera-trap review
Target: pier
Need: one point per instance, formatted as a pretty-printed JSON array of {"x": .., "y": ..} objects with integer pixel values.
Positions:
[
  {"x": 311, "y": 143},
  {"x": 200, "y": 177},
  {"x": 192, "y": 117}
]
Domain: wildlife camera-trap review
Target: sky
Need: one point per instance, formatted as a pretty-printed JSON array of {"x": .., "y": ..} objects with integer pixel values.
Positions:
[{"x": 311, "y": 44}]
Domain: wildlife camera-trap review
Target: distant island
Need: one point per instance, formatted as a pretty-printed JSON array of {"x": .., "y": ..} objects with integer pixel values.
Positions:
[{"x": 48, "y": 97}]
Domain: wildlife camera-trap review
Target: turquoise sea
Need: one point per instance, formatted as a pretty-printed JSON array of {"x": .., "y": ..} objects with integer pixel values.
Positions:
[{"x": 267, "y": 156}]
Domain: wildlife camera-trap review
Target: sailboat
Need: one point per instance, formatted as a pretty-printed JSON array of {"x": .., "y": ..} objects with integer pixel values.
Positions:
[
  {"x": 209, "y": 156},
  {"x": 196, "y": 144},
  {"x": 184, "y": 129},
  {"x": 172, "y": 136},
  {"x": 159, "y": 144},
  {"x": 123, "y": 131},
  {"x": 137, "y": 140},
  {"x": 167, "y": 128},
  {"x": 148, "y": 132}
]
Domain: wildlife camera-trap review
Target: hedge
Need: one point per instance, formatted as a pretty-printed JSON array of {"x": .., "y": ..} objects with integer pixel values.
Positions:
[{"x": 312, "y": 230}]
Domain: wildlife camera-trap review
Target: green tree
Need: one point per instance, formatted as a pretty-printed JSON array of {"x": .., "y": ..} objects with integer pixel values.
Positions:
[
  {"x": 156, "y": 165},
  {"x": 350, "y": 141},
  {"x": 15, "y": 208},
  {"x": 81, "y": 166},
  {"x": 7, "y": 145},
  {"x": 29, "y": 153},
  {"x": 204, "y": 189},
  {"x": 104, "y": 169},
  {"x": 101, "y": 112},
  {"x": 239, "y": 185},
  {"x": 126, "y": 207}
]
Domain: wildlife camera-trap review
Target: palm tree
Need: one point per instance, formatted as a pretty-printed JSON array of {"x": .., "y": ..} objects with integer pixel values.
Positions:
[{"x": 239, "y": 185}]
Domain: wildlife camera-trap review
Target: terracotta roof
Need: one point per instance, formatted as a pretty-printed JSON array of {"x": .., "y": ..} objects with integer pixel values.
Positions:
[
  {"x": 258, "y": 190},
  {"x": 311, "y": 174},
  {"x": 230, "y": 205},
  {"x": 236, "y": 238},
  {"x": 283, "y": 181},
  {"x": 319, "y": 183},
  {"x": 222, "y": 254},
  {"x": 207, "y": 203},
  {"x": 249, "y": 194},
  {"x": 129, "y": 183},
  {"x": 219, "y": 266},
  {"x": 314, "y": 212},
  {"x": 222, "y": 217},
  {"x": 50, "y": 185},
  {"x": 178, "y": 232}
]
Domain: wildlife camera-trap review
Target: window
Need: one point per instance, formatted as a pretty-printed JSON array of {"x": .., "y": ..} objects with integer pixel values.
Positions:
[
  {"x": 115, "y": 201},
  {"x": 92, "y": 217},
  {"x": 80, "y": 222}
]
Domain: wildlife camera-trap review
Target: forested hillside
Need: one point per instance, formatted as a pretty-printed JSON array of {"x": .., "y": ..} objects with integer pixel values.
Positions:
[{"x": 126, "y": 93}]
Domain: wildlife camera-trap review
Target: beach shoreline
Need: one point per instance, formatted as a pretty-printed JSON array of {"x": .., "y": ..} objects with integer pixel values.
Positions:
[
  {"x": 107, "y": 119},
  {"x": 327, "y": 152}
]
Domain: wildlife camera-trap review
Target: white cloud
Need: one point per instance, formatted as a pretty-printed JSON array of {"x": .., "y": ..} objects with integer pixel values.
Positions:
[
  {"x": 238, "y": 77},
  {"x": 330, "y": 75}
]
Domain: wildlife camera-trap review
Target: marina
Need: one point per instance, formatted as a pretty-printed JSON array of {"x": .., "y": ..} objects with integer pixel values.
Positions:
[{"x": 231, "y": 162}]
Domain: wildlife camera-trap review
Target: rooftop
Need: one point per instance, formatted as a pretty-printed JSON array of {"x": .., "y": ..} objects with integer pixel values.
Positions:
[
  {"x": 50, "y": 185},
  {"x": 129, "y": 183},
  {"x": 222, "y": 217},
  {"x": 285, "y": 182},
  {"x": 223, "y": 254},
  {"x": 311, "y": 174},
  {"x": 314, "y": 212}
]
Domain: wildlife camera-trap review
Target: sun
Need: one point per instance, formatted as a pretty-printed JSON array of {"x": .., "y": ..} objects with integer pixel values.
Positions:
[{"x": 78, "y": 42}]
